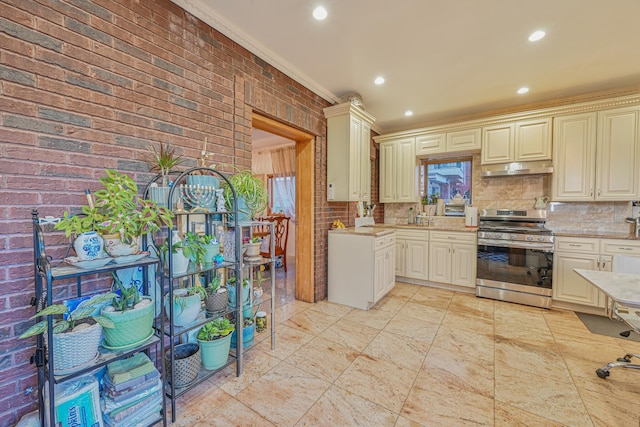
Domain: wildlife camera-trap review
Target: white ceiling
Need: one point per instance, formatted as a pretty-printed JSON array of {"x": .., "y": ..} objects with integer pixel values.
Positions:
[{"x": 440, "y": 58}]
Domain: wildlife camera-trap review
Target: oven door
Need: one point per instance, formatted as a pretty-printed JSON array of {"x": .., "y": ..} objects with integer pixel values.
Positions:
[{"x": 518, "y": 263}]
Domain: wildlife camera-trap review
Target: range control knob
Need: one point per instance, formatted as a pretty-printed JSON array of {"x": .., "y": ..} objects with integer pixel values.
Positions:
[
  {"x": 514, "y": 236},
  {"x": 529, "y": 238},
  {"x": 541, "y": 239}
]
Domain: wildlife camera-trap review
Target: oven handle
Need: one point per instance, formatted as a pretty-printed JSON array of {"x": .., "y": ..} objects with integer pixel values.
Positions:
[{"x": 518, "y": 245}]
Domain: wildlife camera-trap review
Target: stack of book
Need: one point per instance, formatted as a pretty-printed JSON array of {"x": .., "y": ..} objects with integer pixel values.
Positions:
[{"x": 131, "y": 392}]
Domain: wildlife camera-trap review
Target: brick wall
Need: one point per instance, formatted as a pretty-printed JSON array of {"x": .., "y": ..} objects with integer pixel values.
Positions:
[{"x": 86, "y": 85}]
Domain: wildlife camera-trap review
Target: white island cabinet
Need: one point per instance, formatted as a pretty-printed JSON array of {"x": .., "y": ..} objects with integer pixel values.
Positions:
[{"x": 361, "y": 266}]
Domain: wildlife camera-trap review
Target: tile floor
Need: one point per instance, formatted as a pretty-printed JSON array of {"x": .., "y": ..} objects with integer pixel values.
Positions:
[{"x": 421, "y": 357}]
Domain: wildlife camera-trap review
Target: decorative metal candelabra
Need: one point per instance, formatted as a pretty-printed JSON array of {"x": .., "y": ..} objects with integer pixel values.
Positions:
[{"x": 198, "y": 198}]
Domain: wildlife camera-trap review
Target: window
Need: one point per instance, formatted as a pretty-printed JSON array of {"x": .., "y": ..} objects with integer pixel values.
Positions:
[
  {"x": 445, "y": 178},
  {"x": 277, "y": 190}
]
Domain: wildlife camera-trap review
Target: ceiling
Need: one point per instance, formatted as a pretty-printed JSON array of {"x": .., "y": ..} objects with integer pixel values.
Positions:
[{"x": 440, "y": 58}]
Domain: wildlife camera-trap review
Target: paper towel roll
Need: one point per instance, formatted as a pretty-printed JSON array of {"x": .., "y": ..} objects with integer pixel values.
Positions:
[{"x": 471, "y": 216}]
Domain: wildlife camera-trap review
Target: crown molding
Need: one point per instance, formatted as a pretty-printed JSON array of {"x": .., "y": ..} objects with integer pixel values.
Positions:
[{"x": 207, "y": 14}]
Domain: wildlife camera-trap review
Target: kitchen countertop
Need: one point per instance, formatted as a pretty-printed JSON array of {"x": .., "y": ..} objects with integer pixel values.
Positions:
[
  {"x": 435, "y": 227},
  {"x": 596, "y": 234},
  {"x": 363, "y": 231}
]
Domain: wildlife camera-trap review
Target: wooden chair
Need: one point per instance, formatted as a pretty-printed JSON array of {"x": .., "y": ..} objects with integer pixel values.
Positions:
[{"x": 281, "y": 236}]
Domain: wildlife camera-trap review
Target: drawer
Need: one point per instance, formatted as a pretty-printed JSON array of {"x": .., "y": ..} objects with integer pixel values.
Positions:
[
  {"x": 451, "y": 236},
  {"x": 620, "y": 247},
  {"x": 413, "y": 235},
  {"x": 577, "y": 245},
  {"x": 384, "y": 241}
]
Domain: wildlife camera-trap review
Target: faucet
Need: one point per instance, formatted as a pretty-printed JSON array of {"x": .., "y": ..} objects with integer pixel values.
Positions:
[{"x": 635, "y": 221}]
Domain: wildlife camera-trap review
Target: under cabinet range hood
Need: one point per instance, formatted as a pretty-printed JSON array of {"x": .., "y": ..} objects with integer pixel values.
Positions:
[{"x": 517, "y": 168}]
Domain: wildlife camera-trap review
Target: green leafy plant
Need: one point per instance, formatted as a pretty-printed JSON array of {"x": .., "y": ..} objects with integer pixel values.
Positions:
[
  {"x": 215, "y": 329},
  {"x": 431, "y": 199},
  {"x": 84, "y": 311},
  {"x": 248, "y": 187},
  {"x": 118, "y": 209},
  {"x": 193, "y": 247},
  {"x": 128, "y": 298},
  {"x": 208, "y": 239},
  {"x": 213, "y": 285},
  {"x": 163, "y": 159}
]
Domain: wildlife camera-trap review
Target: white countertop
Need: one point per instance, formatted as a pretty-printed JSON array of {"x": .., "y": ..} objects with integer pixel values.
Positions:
[{"x": 622, "y": 288}]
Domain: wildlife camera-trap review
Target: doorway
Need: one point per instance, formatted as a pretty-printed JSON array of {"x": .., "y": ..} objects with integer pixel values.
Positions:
[{"x": 304, "y": 236}]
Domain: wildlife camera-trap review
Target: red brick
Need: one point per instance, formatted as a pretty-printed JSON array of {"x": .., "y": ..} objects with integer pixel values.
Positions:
[
  {"x": 32, "y": 65},
  {"x": 17, "y": 137},
  {"x": 19, "y": 16},
  {"x": 39, "y": 96}
]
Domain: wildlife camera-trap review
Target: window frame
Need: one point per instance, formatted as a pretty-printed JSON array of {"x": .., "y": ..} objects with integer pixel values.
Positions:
[{"x": 424, "y": 167}]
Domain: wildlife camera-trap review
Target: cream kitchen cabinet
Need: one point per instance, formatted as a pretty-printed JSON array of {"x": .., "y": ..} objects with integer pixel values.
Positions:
[
  {"x": 576, "y": 252},
  {"x": 449, "y": 142},
  {"x": 361, "y": 266},
  {"x": 398, "y": 171},
  {"x": 528, "y": 140},
  {"x": 597, "y": 156},
  {"x": 412, "y": 249},
  {"x": 348, "y": 153},
  {"x": 452, "y": 258}
]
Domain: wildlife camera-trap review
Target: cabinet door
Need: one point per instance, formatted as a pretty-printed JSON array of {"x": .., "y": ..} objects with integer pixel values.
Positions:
[
  {"x": 400, "y": 257},
  {"x": 533, "y": 140},
  {"x": 365, "y": 163},
  {"x": 574, "y": 151},
  {"x": 567, "y": 285},
  {"x": 440, "y": 262},
  {"x": 464, "y": 140},
  {"x": 389, "y": 269},
  {"x": 379, "y": 277},
  {"x": 463, "y": 265},
  {"x": 417, "y": 261},
  {"x": 406, "y": 171},
  {"x": 355, "y": 158},
  {"x": 430, "y": 144},
  {"x": 387, "y": 172},
  {"x": 618, "y": 157},
  {"x": 497, "y": 144}
]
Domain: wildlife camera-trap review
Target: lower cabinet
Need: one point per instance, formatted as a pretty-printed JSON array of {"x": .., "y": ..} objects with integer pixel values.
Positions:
[
  {"x": 452, "y": 258},
  {"x": 361, "y": 267},
  {"x": 412, "y": 254},
  {"x": 588, "y": 254}
]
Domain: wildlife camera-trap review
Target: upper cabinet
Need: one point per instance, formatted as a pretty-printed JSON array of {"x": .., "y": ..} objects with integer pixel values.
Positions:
[
  {"x": 348, "y": 153},
  {"x": 449, "y": 142},
  {"x": 521, "y": 141},
  {"x": 398, "y": 171},
  {"x": 597, "y": 156}
]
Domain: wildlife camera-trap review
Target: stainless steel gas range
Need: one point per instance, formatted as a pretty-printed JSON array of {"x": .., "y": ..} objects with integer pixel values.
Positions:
[{"x": 515, "y": 257}]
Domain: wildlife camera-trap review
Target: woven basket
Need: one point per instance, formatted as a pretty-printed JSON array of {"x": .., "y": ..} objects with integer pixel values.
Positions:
[
  {"x": 217, "y": 301},
  {"x": 187, "y": 364},
  {"x": 132, "y": 326},
  {"x": 73, "y": 349}
]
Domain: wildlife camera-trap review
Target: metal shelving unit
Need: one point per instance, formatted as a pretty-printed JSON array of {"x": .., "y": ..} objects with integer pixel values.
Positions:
[{"x": 45, "y": 275}]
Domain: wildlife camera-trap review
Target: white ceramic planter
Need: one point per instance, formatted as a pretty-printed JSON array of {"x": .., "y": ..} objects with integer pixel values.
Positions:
[
  {"x": 185, "y": 308},
  {"x": 89, "y": 246},
  {"x": 115, "y": 247}
]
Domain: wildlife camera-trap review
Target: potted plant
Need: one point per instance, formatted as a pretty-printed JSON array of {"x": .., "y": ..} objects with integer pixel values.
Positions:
[
  {"x": 252, "y": 196},
  {"x": 253, "y": 247},
  {"x": 186, "y": 304},
  {"x": 119, "y": 214},
  {"x": 211, "y": 248},
  {"x": 162, "y": 159},
  {"x": 231, "y": 287},
  {"x": 132, "y": 316},
  {"x": 193, "y": 247},
  {"x": 214, "y": 339},
  {"x": 179, "y": 261},
  {"x": 248, "y": 332},
  {"x": 429, "y": 202},
  {"x": 186, "y": 364},
  {"x": 87, "y": 243},
  {"x": 77, "y": 332},
  {"x": 217, "y": 296}
]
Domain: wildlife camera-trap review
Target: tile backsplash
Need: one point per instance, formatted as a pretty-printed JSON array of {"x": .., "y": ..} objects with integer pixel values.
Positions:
[{"x": 519, "y": 192}]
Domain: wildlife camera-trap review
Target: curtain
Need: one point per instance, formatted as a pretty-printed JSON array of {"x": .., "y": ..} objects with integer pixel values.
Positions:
[{"x": 283, "y": 161}]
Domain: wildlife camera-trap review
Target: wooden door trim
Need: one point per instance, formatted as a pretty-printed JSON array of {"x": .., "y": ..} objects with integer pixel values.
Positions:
[{"x": 305, "y": 149}]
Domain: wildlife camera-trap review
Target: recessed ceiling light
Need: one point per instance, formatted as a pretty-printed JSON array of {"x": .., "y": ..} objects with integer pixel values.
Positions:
[
  {"x": 319, "y": 13},
  {"x": 523, "y": 90},
  {"x": 537, "y": 35},
  {"x": 408, "y": 113},
  {"x": 379, "y": 80}
]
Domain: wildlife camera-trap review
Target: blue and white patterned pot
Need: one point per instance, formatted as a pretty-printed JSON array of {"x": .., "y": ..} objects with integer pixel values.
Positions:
[{"x": 89, "y": 246}]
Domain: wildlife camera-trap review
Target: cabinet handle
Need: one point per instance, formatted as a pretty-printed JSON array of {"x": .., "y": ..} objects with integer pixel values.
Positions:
[
  {"x": 598, "y": 265},
  {"x": 626, "y": 249},
  {"x": 453, "y": 251},
  {"x": 604, "y": 264},
  {"x": 575, "y": 245},
  {"x": 591, "y": 192},
  {"x": 598, "y": 192}
]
